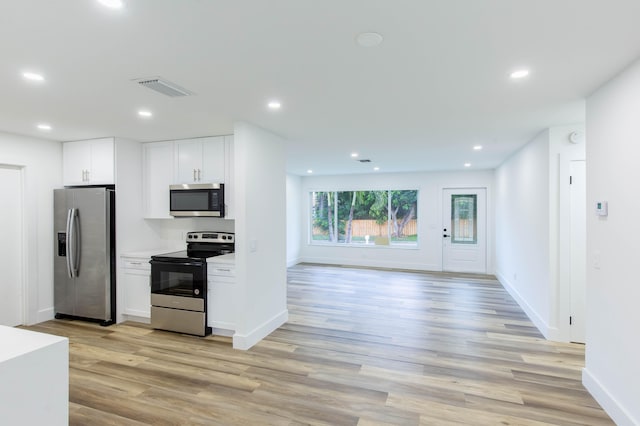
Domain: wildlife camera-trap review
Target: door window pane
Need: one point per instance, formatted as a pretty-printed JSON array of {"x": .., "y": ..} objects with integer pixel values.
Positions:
[{"x": 464, "y": 216}]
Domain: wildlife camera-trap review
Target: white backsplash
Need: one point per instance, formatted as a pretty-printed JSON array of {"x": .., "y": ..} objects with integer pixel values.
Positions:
[{"x": 172, "y": 232}]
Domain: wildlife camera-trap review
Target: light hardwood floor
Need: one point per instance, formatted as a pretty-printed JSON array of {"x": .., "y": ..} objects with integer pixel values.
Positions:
[{"x": 362, "y": 347}]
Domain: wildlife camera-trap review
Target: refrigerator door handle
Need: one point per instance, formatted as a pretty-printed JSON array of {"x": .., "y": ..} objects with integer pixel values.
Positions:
[
  {"x": 68, "y": 245},
  {"x": 72, "y": 242}
]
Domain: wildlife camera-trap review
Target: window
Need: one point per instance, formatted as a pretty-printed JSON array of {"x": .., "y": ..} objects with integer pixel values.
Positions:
[
  {"x": 364, "y": 217},
  {"x": 464, "y": 216}
]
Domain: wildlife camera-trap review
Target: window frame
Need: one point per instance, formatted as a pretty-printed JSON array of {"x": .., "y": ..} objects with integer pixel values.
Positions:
[{"x": 311, "y": 218}]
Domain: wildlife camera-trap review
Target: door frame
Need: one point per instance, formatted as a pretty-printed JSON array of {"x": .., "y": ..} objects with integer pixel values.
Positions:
[
  {"x": 24, "y": 288},
  {"x": 563, "y": 303},
  {"x": 489, "y": 232}
]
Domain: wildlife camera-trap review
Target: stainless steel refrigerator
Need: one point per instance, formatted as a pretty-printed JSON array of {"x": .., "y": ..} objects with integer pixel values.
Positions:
[{"x": 84, "y": 259}]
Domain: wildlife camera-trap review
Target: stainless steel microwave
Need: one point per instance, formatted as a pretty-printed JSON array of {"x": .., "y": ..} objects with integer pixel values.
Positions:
[{"x": 196, "y": 199}]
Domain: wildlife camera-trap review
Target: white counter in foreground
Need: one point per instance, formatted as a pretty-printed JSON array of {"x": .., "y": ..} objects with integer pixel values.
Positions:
[{"x": 34, "y": 378}]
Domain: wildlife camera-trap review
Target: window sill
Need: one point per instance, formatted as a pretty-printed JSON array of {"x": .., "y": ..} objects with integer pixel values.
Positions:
[{"x": 367, "y": 246}]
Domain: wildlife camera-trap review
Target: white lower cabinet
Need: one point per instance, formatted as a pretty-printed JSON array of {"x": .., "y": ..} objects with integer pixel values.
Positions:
[
  {"x": 137, "y": 287},
  {"x": 221, "y": 296}
]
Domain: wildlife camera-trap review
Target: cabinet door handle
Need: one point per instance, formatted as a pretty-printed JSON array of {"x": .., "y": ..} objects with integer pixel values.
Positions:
[
  {"x": 198, "y": 175},
  {"x": 194, "y": 175},
  {"x": 84, "y": 175},
  {"x": 87, "y": 174}
]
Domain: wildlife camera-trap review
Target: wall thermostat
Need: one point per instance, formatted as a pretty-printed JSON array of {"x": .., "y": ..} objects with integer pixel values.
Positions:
[{"x": 602, "y": 208}]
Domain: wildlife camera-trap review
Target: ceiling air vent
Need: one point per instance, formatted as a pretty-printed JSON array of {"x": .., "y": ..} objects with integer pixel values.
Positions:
[
  {"x": 163, "y": 86},
  {"x": 364, "y": 160}
]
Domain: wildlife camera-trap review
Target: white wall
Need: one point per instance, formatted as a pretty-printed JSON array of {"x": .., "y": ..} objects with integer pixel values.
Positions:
[
  {"x": 294, "y": 219},
  {"x": 261, "y": 233},
  {"x": 428, "y": 255},
  {"x": 612, "y": 371},
  {"x": 529, "y": 208},
  {"x": 522, "y": 229},
  {"x": 42, "y": 162}
]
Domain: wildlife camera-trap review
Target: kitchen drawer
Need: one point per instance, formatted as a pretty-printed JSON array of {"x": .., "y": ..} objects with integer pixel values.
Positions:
[
  {"x": 221, "y": 270},
  {"x": 142, "y": 264}
]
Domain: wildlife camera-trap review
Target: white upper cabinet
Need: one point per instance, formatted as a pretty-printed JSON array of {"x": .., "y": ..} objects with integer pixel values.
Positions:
[
  {"x": 88, "y": 162},
  {"x": 157, "y": 175},
  {"x": 200, "y": 160}
]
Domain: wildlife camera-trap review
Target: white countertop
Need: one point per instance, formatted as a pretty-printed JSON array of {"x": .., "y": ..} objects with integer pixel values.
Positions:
[
  {"x": 226, "y": 259},
  {"x": 15, "y": 342}
]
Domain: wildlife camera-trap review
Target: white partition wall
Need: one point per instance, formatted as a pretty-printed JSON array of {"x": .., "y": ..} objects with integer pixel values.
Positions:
[
  {"x": 261, "y": 233},
  {"x": 612, "y": 369}
]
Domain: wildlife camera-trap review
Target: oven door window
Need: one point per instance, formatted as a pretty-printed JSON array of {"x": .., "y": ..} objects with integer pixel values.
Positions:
[{"x": 178, "y": 280}]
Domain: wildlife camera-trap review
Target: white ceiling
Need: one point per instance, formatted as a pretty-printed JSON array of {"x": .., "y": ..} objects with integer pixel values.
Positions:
[{"x": 436, "y": 86}]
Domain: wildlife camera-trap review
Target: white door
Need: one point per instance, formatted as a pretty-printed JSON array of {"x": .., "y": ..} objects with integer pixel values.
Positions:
[
  {"x": 464, "y": 234},
  {"x": 578, "y": 249},
  {"x": 11, "y": 279}
]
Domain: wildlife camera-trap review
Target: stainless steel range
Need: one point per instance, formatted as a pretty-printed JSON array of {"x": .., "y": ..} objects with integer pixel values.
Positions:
[{"x": 179, "y": 283}]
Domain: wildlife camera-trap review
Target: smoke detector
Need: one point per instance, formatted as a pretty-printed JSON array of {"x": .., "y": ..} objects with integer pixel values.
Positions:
[{"x": 163, "y": 86}]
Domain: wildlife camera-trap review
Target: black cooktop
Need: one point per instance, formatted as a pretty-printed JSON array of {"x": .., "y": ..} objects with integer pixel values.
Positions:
[
  {"x": 201, "y": 246},
  {"x": 191, "y": 254}
]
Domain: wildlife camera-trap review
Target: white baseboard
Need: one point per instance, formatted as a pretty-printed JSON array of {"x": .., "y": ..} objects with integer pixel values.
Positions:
[
  {"x": 44, "y": 315},
  {"x": 293, "y": 262},
  {"x": 223, "y": 325},
  {"x": 246, "y": 341},
  {"x": 372, "y": 263},
  {"x": 136, "y": 318},
  {"x": 617, "y": 412},
  {"x": 549, "y": 333},
  {"x": 222, "y": 332}
]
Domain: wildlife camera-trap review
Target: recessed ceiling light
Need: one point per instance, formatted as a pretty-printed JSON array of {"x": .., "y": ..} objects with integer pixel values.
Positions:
[
  {"x": 467, "y": 164},
  {"x": 477, "y": 148},
  {"x": 145, "y": 113},
  {"x": 376, "y": 168},
  {"x": 113, "y": 4},
  {"x": 309, "y": 171},
  {"x": 274, "y": 105},
  {"x": 44, "y": 126},
  {"x": 369, "y": 39},
  {"x": 32, "y": 76},
  {"x": 519, "y": 74},
  {"x": 354, "y": 155}
]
